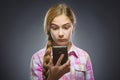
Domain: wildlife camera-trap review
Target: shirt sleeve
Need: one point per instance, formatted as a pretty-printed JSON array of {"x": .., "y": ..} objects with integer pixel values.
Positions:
[
  {"x": 89, "y": 70},
  {"x": 36, "y": 68}
]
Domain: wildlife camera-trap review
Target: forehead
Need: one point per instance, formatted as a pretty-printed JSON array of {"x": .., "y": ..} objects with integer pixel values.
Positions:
[{"x": 61, "y": 19}]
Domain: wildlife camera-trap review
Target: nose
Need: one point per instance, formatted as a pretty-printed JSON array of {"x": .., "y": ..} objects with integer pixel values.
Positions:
[{"x": 61, "y": 33}]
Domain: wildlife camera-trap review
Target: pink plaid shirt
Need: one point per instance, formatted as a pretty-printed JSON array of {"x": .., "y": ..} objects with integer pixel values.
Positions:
[{"x": 80, "y": 65}]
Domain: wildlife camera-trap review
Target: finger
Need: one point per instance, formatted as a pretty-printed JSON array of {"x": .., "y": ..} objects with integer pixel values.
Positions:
[
  {"x": 48, "y": 72},
  {"x": 66, "y": 65},
  {"x": 60, "y": 59},
  {"x": 68, "y": 62},
  {"x": 51, "y": 62}
]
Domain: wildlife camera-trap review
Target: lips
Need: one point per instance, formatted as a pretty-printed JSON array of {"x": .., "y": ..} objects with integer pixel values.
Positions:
[{"x": 62, "y": 40}]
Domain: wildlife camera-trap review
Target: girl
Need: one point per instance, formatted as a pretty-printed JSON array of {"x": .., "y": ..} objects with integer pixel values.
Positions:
[{"x": 58, "y": 25}]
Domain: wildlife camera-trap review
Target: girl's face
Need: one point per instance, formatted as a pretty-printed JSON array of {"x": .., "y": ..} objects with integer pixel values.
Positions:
[{"x": 61, "y": 29}]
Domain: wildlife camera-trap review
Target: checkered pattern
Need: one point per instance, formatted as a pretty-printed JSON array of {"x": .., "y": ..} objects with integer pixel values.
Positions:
[{"x": 80, "y": 65}]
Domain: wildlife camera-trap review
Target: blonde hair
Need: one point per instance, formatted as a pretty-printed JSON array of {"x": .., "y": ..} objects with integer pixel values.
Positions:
[{"x": 54, "y": 11}]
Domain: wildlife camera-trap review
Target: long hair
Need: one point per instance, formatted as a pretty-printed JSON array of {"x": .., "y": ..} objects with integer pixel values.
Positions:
[{"x": 53, "y": 12}]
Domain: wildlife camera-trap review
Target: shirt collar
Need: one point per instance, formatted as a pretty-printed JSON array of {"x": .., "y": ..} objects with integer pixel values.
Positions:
[{"x": 73, "y": 51}]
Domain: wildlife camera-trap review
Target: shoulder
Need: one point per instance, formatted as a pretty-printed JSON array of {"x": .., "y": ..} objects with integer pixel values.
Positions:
[
  {"x": 39, "y": 54},
  {"x": 37, "y": 60},
  {"x": 81, "y": 53}
]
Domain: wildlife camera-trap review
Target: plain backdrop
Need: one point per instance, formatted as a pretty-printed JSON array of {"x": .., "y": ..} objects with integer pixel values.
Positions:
[{"x": 21, "y": 35}]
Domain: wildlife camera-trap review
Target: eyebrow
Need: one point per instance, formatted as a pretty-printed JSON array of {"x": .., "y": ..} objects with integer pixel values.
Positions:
[
  {"x": 62, "y": 25},
  {"x": 67, "y": 24},
  {"x": 53, "y": 24}
]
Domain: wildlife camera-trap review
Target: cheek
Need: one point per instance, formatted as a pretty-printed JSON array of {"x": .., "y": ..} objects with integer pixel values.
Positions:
[
  {"x": 53, "y": 35},
  {"x": 68, "y": 33}
]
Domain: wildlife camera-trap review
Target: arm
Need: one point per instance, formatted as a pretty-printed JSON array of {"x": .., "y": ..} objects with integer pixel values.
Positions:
[
  {"x": 36, "y": 68},
  {"x": 89, "y": 71}
]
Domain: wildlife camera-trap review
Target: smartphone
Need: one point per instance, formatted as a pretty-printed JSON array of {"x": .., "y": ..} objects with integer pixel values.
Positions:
[{"x": 57, "y": 51}]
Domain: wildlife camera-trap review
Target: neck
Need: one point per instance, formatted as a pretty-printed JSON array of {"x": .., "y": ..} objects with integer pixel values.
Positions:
[{"x": 69, "y": 46}]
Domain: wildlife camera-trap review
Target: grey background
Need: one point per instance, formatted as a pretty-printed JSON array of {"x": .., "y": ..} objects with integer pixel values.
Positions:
[{"x": 21, "y": 35}]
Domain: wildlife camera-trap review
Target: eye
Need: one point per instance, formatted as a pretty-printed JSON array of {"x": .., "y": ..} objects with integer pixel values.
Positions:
[
  {"x": 54, "y": 27},
  {"x": 67, "y": 26}
]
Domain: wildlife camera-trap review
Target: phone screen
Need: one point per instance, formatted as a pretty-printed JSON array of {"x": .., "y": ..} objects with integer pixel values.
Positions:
[{"x": 57, "y": 51}]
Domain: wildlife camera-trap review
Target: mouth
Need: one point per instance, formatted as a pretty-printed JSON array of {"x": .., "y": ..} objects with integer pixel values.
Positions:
[{"x": 62, "y": 40}]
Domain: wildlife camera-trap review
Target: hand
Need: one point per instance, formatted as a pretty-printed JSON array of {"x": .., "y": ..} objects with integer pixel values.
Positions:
[{"x": 56, "y": 71}]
